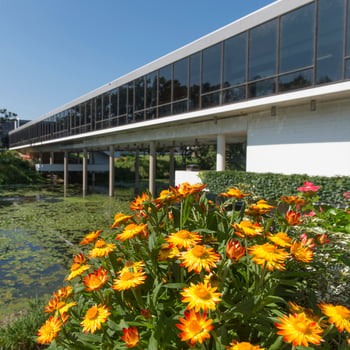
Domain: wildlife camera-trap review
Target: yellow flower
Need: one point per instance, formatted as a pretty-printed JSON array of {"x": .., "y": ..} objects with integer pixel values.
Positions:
[
  {"x": 247, "y": 228},
  {"x": 131, "y": 337},
  {"x": 77, "y": 270},
  {"x": 260, "y": 208},
  {"x": 185, "y": 189},
  {"x": 101, "y": 249},
  {"x": 57, "y": 304},
  {"x": 94, "y": 317},
  {"x": 137, "y": 204},
  {"x": 269, "y": 256},
  {"x": 309, "y": 313},
  {"x": 235, "y": 345},
  {"x": 338, "y": 315},
  {"x": 281, "y": 239},
  {"x": 299, "y": 330},
  {"x": 300, "y": 252},
  {"x": 166, "y": 196},
  {"x": 64, "y": 292},
  {"x": 132, "y": 266},
  {"x": 234, "y": 193},
  {"x": 120, "y": 218},
  {"x": 199, "y": 257},
  {"x": 95, "y": 280},
  {"x": 183, "y": 239},
  {"x": 129, "y": 280},
  {"x": 49, "y": 330},
  {"x": 167, "y": 252},
  {"x": 130, "y": 231},
  {"x": 293, "y": 200},
  {"x": 195, "y": 327},
  {"x": 200, "y": 296},
  {"x": 90, "y": 237}
]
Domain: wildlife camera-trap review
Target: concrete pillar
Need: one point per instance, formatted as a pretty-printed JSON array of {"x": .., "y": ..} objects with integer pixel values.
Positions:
[
  {"x": 65, "y": 173},
  {"x": 137, "y": 172},
  {"x": 85, "y": 173},
  {"x": 220, "y": 152},
  {"x": 171, "y": 167},
  {"x": 51, "y": 158},
  {"x": 152, "y": 168},
  {"x": 93, "y": 177},
  {"x": 40, "y": 157},
  {"x": 111, "y": 171}
]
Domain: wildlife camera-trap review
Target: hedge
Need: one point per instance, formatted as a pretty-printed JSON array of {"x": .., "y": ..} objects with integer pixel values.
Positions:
[{"x": 271, "y": 186}]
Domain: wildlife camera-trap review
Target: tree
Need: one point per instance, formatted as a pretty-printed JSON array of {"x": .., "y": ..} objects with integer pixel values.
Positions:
[{"x": 7, "y": 115}]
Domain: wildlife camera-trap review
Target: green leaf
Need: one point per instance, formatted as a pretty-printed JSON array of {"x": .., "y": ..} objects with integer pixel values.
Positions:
[{"x": 175, "y": 285}]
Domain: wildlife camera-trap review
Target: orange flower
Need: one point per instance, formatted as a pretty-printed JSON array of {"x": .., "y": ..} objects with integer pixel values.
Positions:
[
  {"x": 90, "y": 237},
  {"x": 309, "y": 313},
  {"x": 199, "y": 257},
  {"x": 293, "y": 200},
  {"x": 129, "y": 280},
  {"x": 183, "y": 239},
  {"x": 79, "y": 258},
  {"x": 307, "y": 242},
  {"x": 269, "y": 256},
  {"x": 94, "y": 317},
  {"x": 137, "y": 204},
  {"x": 95, "y": 280},
  {"x": 281, "y": 239},
  {"x": 293, "y": 218},
  {"x": 130, "y": 231},
  {"x": 131, "y": 337},
  {"x": 322, "y": 239},
  {"x": 301, "y": 253},
  {"x": 299, "y": 330},
  {"x": 200, "y": 296},
  {"x": 338, "y": 315},
  {"x": 247, "y": 228},
  {"x": 235, "y": 345},
  {"x": 77, "y": 270},
  {"x": 49, "y": 330},
  {"x": 195, "y": 327},
  {"x": 120, "y": 218},
  {"x": 101, "y": 249},
  {"x": 185, "y": 189},
  {"x": 234, "y": 251},
  {"x": 234, "y": 193},
  {"x": 64, "y": 292},
  {"x": 258, "y": 209},
  {"x": 167, "y": 252},
  {"x": 132, "y": 266},
  {"x": 59, "y": 305},
  {"x": 166, "y": 196}
]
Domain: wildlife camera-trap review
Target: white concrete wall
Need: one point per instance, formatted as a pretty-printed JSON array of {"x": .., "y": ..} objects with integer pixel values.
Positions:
[
  {"x": 192, "y": 177},
  {"x": 300, "y": 141}
]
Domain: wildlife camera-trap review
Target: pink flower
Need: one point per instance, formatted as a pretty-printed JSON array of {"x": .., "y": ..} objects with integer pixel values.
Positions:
[
  {"x": 312, "y": 213},
  {"x": 307, "y": 242},
  {"x": 309, "y": 186},
  {"x": 346, "y": 195}
]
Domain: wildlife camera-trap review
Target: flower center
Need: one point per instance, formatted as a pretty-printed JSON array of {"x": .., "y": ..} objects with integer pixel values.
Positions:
[
  {"x": 198, "y": 251},
  {"x": 183, "y": 234},
  {"x": 202, "y": 293},
  {"x": 194, "y": 327},
  {"x": 126, "y": 276},
  {"x": 129, "y": 264},
  {"x": 92, "y": 313},
  {"x": 100, "y": 244},
  {"x": 301, "y": 327}
]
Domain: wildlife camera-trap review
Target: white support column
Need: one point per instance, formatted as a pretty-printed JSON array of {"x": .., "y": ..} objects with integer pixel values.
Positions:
[
  {"x": 65, "y": 173},
  {"x": 220, "y": 152},
  {"x": 85, "y": 173},
  {"x": 152, "y": 168},
  {"x": 51, "y": 158},
  {"x": 111, "y": 171},
  {"x": 171, "y": 167},
  {"x": 137, "y": 172}
]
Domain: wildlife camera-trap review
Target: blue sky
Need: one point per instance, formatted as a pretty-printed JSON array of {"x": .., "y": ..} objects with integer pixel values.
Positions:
[{"x": 53, "y": 51}]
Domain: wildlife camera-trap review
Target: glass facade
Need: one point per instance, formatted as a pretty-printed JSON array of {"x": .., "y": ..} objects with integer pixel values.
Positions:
[{"x": 303, "y": 48}]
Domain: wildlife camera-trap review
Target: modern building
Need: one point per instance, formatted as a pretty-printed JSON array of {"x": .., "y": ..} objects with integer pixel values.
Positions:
[{"x": 276, "y": 80}]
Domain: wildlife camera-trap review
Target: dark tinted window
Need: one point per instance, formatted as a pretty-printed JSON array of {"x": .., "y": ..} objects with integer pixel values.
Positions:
[
  {"x": 262, "y": 88},
  {"x": 234, "y": 94},
  {"x": 235, "y": 60},
  {"x": 262, "y": 50},
  {"x": 151, "y": 89},
  {"x": 130, "y": 107},
  {"x": 114, "y": 102},
  {"x": 330, "y": 37},
  {"x": 211, "y": 78},
  {"x": 88, "y": 112},
  {"x": 165, "y": 84},
  {"x": 180, "y": 79},
  {"x": 297, "y": 80},
  {"x": 194, "y": 81},
  {"x": 106, "y": 106},
  {"x": 139, "y": 94},
  {"x": 347, "y": 69},
  {"x": 297, "y": 39},
  {"x": 98, "y": 108},
  {"x": 122, "y": 99}
]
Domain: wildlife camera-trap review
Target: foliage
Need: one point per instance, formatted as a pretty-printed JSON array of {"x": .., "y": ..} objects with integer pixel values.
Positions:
[
  {"x": 14, "y": 170},
  {"x": 131, "y": 287},
  {"x": 270, "y": 186},
  {"x": 18, "y": 335}
]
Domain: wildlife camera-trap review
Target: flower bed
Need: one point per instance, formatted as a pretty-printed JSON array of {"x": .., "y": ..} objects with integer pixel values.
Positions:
[{"x": 183, "y": 272}]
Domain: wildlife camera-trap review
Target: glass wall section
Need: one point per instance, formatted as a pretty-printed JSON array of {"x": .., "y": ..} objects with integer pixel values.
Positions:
[
  {"x": 348, "y": 29},
  {"x": 130, "y": 105},
  {"x": 330, "y": 41},
  {"x": 88, "y": 114},
  {"x": 263, "y": 50},
  {"x": 180, "y": 82},
  {"x": 194, "y": 83},
  {"x": 211, "y": 68},
  {"x": 151, "y": 94},
  {"x": 297, "y": 35},
  {"x": 165, "y": 77},
  {"x": 296, "y": 80},
  {"x": 106, "y": 109},
  {"x": 122, "y": 104},
  {"x": 140, "y": 99},
  {"x": 114, "y": 107},
  {"x": 98, "y": 121}
]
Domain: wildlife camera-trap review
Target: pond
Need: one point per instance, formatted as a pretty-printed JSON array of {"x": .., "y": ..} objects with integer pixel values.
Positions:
[{"x": 39, "y": 235}]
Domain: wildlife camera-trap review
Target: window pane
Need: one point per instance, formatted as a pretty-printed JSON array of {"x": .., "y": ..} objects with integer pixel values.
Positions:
[
  {"x": 180, "y": 107},
  {"x": 234, "y": 94},
  {"x": 211, "y": 100},
  {"x": 88, "y": 112},
  {"x": 140, "y": 94},
  {"x": 262, "y": 88},
  {"x": 180, "y": 79},
  {"x": 347, "y": 69},
  {"x": 211, "y": 78},
  {"x": 348, "y": 31},
  {"x": 295, "y": 80},
  {"x": 114, "y": 102},
  {"x": 262, "y": 50},
  {"x": 98, "y": 108},
  {"x": 122, "y": 99},
  {"x": 151, "y": 92},
  {"x": 165, "y": 84},
  {"x": 194, "y": 81},
  {"x": 297, "y": 38},
  {"x": 130, "y": 107},
  {"x": 235, "y": 60},
  {"x": 164, "y": 111},
  {"x": 330, "y": 41},
  {"x": 106, "y": 106}
]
